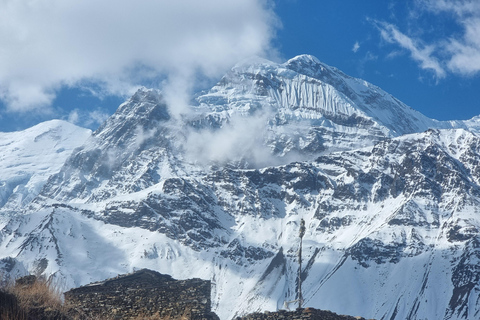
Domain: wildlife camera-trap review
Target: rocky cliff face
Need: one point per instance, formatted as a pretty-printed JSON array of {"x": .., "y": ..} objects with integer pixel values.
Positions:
[
  {"x": 218, "y": 194},
  {"x": 144, "y": 293}
]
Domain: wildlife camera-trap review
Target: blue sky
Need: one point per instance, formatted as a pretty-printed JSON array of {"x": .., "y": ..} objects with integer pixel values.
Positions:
[{"x": 79, "y": 59}]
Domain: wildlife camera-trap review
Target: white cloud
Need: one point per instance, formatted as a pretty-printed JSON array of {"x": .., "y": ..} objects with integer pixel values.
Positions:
[
  {"x": 87, "y": 118},
  {"x": 356, "y": 46},
  {"x": 242, "y": 138},
  {"x": 73, "y": 116},
  {"x": 459, "y": 7},
  {"x": 457, "y": 52},
  {"x": 47, "y": 44},
  {"x": 95, "y": 117},
  {"x": 464, "y": 51},
  {"x": 419, "y": 52}
]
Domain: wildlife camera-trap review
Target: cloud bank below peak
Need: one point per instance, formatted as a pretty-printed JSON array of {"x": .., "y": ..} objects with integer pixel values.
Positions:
[{"x": 117, "y": 45}]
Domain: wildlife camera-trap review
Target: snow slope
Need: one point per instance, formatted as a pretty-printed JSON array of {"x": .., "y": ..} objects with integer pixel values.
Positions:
[{"x": 29, "y": 157}]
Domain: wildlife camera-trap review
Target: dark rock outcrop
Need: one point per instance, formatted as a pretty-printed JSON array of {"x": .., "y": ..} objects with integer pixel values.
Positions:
[
  {"x": 299, "y": 314},
  {"x": 144, "y": 293}
]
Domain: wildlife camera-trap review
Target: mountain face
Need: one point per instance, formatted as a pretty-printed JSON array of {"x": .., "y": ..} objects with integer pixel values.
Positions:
[
  {"x": 29, "y": 157},
  {"x": 390, "y": 198},
  {"x": 310, "y": 107}
]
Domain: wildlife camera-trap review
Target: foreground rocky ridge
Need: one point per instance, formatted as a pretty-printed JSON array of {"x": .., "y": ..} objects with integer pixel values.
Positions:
[
  {"x": 143, "y": 294},
  {"x": 383, "y": 199}
]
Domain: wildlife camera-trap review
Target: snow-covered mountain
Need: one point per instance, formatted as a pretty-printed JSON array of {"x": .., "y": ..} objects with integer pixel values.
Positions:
[
  {"x": 311, "y": 107},
  {"x": 29, "y": 157},
  {"x": 389, "y": 196}
]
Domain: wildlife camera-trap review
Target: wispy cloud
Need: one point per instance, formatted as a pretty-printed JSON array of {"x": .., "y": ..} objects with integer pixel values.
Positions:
[
  {"x": 116, "y": 44},
  {"x": 356, "y": 46},
  {"x": 87, "y": 118},
  {"x": 459, "y": 7},
  {"x": 421, "y": 53},
  {"x": 363, "y": 61},
  {"x": 456, "y": 53},
  {"x": 242, "y": 138},
  {"x": 464, "y": 51}
]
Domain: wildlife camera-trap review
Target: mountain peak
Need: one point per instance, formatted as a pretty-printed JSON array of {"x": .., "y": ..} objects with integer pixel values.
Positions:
[
  {"x": 304, "y": 59},
  {"x": 144, "y": 109},
  {"x": 321, "y": 102},
  {"x": 146, "y": 94},
  {"x": 30, "y": 156},
  {"x": 308, "y": 65}
]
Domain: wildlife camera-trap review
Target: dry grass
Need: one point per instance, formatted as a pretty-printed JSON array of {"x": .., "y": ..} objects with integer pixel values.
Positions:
[
  {"x": 41, "y": 293},
  {"x": 38, "y": 299}
]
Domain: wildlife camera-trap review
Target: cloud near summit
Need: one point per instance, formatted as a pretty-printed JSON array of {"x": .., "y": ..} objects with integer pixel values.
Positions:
[{"x": 117, "y": 44}]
